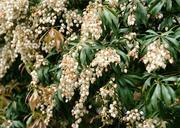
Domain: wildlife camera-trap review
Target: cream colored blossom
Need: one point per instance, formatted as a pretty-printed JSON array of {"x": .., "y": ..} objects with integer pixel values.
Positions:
[
  {"x": 133, "y": 117},
  {"x": 111, "y": 106},
  {"x": 88, "y": 76},
  {"x": 7, "y": 57},
  {"x": 68, "y": 81},
  {"x": 131, "y": 20},
  {"x": 91, "y": 25},
  {"x": 156, "y": 57}
]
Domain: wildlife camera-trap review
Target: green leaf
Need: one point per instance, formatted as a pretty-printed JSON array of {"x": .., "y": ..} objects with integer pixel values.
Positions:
[
  {"x": 173, "y": 41},
  {"x": 17, "y": 124},
  {"x": 167, "y": 22},
  {"x": 173, "y": 78},
  {"x": 124, "y": 56},
  {"x": 83, "y": 57},
  {"x": 152, "y": 32},
  {"x": 157, "y": 7},
  {"x": 110, "y": 19},
  {"x": 165, "y": 95},
  {"x": 156, "y": 95},
  {"x": 89, "y": 53},
  {"x": 172, "y": 93},
  {"x": 141, "y": 13},
  {"x": 40, "y": 74},
  {"x": 147, "y": 83},
  {"x": 129, "y": 82},
  {"x": 29, "y": 120},
  {"x": 126, "y": 96},
  {"x": 46, "y": 75},
  {"x": 178, "y": 2},
  {"x": 168, "y": 5},
  {"x": 34, "y": 2},
  {"x": 59, "y": 92}
]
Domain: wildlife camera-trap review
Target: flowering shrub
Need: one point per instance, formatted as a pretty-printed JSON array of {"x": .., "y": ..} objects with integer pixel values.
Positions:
[{"x": 94, "y": 63}]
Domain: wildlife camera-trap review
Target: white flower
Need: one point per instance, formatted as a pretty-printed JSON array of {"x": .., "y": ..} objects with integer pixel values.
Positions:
[
  {"x": 156, "y": 56},
  {"x": 131, "y": 20}
]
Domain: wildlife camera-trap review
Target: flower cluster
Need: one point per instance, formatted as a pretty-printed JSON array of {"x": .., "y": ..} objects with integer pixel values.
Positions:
[
  {"x": 24, "y": 43},
  {"x": 42, "y": 99},
  {"x": 49, "y": 103},
  {"x": 148, "y": 123},
  {"x": 7, "y": 124},
  {"x": 133, "y": 118},
  {"x": 34, "y": 77},
  {"x": 103, "y": 58},
  {"x": 23, "y": 37},
  {"x": 128, "y": 8},
  {"x": 131, "y": 17},
  {"x": 79, "y": 109},
  {"x": 122, "y": 7},
  {"x": 156, "y": 56},
  {"x": 152, "y": 123},
  {"x": 132, "y": 44},
  {"x": 88, "y": 76},
  {"x": 45, "y": 14},
  {"x": 11, "y": 11},
  {"x": 112, "y": 3},
  {"x": 72, "y": 20},
  {"x": 68, "y": 80},
  {"x": 111, "y": 106},
  {"x": 40, "y": 61},
  {"x": 159, "y": 16},
  {"x": 57, "y": 5},
  {"x": 91, "y": 25},
  {"x": 7, "y": 57}
]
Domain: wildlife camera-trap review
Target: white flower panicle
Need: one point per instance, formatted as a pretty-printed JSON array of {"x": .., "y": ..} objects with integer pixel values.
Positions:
[
  {"x": 91, "y": 25},
  {"x": 112, "y": 3},
  {"x": 104, "y": 57},
  {"x": 102, "y": 60},
  {"x": 34, "y": 77},
  {"x": 111, "y": 106},
  {"x": 68, "y": 80},
  {"x": 148, "y": 123},
  {"x": 132, "y": 44},
  {"x": 131, "y": 19},
  {"x": 72, "y": 19},
  {"x": 46, "y": 102},
  {"x": 133, "y": 118},
  {"x": 152, "y": 123},
  {"x": 10, "y": 11},
  {"x": 40, "y": 61},
  {"x": 24, "y": 45},
  {"x": 7, "y": 124},
  {"x": 45, "y": 14},
  {"x": 7, "y": 57},
  {"x": 57, "y": 5},
  {"x": 79, "y": 109},
  {"x": 156, "y": 56}
]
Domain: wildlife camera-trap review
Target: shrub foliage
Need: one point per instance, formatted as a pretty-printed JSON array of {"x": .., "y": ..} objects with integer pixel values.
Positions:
[{"x": 89, "y": 63}]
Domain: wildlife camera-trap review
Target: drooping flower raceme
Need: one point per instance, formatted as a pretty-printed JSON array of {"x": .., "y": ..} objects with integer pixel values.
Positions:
[
  {"x": 10, "y": 11},
  {"x": 91, "y": 25},
  {"x": 7, "y": 57},
  {"x": 156, "y": 56},
  {"x": 88, "y": 76},
  {"x": 110, "y": 108},
  {"x": 68, "y": 81}
]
